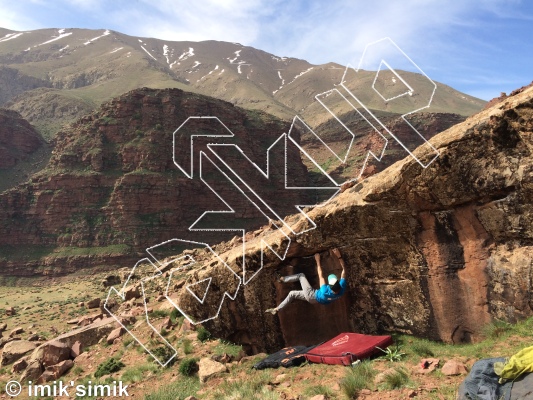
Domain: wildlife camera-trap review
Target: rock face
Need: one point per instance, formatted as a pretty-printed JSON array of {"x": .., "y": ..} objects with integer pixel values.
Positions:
[
  {"x": 436, "y": 252},
  {"x": 16, "y": 350},
  {"x": 18, "y": 138},
  {"x": 86, "y": 336},
  {"x": 111, "y": 188},
  {"x": 51, "y": 353},
  {"x": 209, "y": 368}
]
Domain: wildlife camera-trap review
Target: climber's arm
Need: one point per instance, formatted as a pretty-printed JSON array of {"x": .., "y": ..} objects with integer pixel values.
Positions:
[
  {"x": 321, "y": 279},
  {"x": 337, "y": 254}
]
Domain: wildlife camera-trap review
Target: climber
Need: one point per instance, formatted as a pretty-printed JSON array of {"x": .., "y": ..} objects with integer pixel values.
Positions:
[{"x": 327, "y": 293}]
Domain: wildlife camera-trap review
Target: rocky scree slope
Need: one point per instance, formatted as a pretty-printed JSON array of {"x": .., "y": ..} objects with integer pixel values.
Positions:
[
  {"x": 435, "y": 252},
  {"x": 111, "y": 188}
]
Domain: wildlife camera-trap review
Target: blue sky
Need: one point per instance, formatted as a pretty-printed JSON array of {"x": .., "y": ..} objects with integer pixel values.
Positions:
[{"x": 481, "y": 47}]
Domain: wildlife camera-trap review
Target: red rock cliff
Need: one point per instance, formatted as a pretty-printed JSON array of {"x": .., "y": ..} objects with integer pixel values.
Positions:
[
  {"x": 436, "y": 252},
  {"x": 111, "y": 188}
]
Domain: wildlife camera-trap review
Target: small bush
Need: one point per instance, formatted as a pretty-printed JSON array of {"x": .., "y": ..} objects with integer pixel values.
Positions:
[
  {"x": 187, "y": 346},
  {"x": 163, "y": 354},
  {"x": 108, "y": 367},
  {"x": 392, "y": 353},
  {"x": 203, "y": 334},
  {"x": 174, "y": 315},
  {"x": 188, "y": 366},
  {"x": 357, "y": 378},
  {"x": 160, "y": 313},
  {"x": 397, "y": 379},
  {"x": 127, "y": 340}
]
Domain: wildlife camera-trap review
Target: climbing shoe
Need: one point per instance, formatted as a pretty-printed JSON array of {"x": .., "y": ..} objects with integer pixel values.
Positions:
[{"x": 272, "y": 311}]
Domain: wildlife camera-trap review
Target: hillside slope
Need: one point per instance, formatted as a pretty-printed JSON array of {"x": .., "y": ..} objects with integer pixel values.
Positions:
[{"x": 93, "y": 66}]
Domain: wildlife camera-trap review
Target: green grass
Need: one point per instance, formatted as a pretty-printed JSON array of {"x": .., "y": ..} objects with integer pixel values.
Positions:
[
  {"x": 357, "y": 378},
  {"x": 497, "y": 329},
  {"x": 187, "y": 346},
  {"x": 227, "y": 348},
  {"x": 319, "y": 389},
  {"x": 422, "y": 349},
  {"x": 86, "y": 251},
  {"x": 252, "y": 388},
  {"x": 392, "y": 353},
  {"x": 108, "y": 367},
  {"x": 138, "y": 373},
  {"x": 181, "y": 388},
  {"x": 21, "y": 253},
  {"x": 496, "y": 334},
  {"x": 188, "y": 366},
  {"x": 203, "y": 334},
  {"x": 160, "y": 313},
  {"x": 397, "y": 379},
  {"x": 77, "y": 370},
  {"x": 165, "y": 355},
  {"x": 175, "y": 314}
]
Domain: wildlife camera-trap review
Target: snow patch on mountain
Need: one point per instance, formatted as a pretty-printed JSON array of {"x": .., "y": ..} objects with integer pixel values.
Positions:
[
  {"x": 147, "y": 52},
  {"x": 61, "y": 35},
  {"x": 10, "y": 36},
  {"x": 98, "y": 37},
  {"x": 300, "y": 74},
  {"x": 237, "y": 54},
  {"x": 186, "y": 54},
  {"x": 166, "y": 53}
]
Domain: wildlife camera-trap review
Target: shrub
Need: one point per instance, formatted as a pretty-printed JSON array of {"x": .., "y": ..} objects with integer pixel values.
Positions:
[
  {"x": 163, "y": 354},
  {"x": 397, "y": 379},
  {"x": 357, "y": 378},
  {"x": 175, "y": 314},
  {"x": 203, "y": 334},
  {"x": 187, "y": 346},
  {"x": 392, "y": 353},
  {"x": 108, "y": 367},
  {"x": 188, "y": 366},
  {"x": 160, "y": 313}
]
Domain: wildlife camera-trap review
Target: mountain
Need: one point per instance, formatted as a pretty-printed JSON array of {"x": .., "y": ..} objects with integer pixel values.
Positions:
[
  {"x": 75, "y": 70},
  {"x": 437, "y": 252},
  {"x": 111, "y": 188},
  {"x": 54, "y": 77}
]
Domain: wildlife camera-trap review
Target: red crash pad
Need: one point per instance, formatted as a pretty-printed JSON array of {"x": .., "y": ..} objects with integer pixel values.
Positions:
[{"x": 348, "y": 347}]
